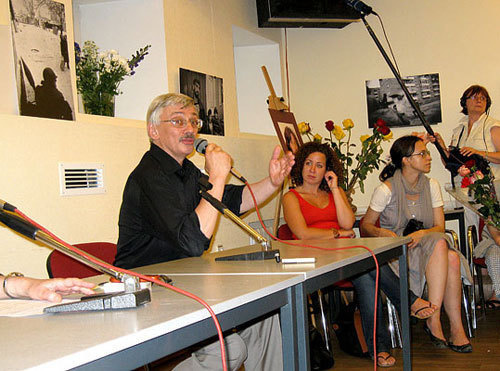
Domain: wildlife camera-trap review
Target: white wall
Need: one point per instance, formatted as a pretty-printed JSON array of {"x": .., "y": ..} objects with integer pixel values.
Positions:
[
  {"x": 250, "y": 53},
  {"x": 199, "y": 37},
  {"x": 328, "y": 69},
  {"x": 127, "y": 26},
  {"x": 455, "y": 38}
]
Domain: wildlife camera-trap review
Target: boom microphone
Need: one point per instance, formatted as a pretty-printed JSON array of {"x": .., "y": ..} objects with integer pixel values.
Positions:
[
  {"x": 360, "y": 7},
  {"x": 200, "y": 145}
]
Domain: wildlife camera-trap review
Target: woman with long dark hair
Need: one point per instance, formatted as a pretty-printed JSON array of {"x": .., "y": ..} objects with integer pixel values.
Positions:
[
  {"x": 407, "y": 197},
  {"x": 318, "y": 209}
]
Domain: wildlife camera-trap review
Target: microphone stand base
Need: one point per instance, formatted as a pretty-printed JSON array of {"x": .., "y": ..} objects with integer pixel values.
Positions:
[
  {"x": 256, "y": 255},
  {"x": 118, "y": 300}
]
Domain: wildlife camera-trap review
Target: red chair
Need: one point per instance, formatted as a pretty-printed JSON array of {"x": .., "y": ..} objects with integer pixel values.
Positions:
[{"x": 60, "y": 265}]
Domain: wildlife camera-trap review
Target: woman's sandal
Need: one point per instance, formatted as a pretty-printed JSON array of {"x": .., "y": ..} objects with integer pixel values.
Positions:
[
  {"x": 437, "y": 342},
  {"x": 422, "y": 316},
  {"x": 385, "y": 358}
]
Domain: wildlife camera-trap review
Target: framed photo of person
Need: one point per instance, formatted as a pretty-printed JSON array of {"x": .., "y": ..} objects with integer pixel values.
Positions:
[{"x": 287, "y": 130}]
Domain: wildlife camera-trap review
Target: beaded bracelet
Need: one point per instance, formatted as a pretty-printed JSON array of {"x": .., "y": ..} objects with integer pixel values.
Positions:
[{"x": 4, "y": 285}]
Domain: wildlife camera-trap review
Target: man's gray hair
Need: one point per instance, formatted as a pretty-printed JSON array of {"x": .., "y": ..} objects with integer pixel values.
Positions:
[{"x": 171, "y": 99}]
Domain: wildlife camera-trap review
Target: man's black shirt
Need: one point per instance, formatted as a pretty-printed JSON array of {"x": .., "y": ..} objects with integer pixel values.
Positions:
[{"x": 157, "y": 218}]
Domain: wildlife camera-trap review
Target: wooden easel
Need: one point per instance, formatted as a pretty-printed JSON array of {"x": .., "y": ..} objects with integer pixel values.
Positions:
[{"x": 277, "y": 104}]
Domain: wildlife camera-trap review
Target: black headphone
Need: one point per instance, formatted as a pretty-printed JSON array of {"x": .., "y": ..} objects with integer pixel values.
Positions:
[{"x": 467, "y": 94}]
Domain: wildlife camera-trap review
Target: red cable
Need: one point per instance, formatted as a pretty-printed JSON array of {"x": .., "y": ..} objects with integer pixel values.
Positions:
[
  {"x": 141, "y": 276},
  {"x": 332, "y": 249}
]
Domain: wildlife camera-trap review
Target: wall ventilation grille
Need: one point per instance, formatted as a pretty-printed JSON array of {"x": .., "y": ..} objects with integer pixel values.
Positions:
[{"x": 81, "y": 179}]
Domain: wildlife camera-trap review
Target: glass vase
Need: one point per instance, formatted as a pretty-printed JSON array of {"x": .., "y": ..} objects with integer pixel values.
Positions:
[{"x": 102, "y": 104}]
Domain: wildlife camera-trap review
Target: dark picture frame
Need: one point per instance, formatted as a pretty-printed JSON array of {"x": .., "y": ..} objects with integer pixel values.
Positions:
[{"x": 287, "y": 130}]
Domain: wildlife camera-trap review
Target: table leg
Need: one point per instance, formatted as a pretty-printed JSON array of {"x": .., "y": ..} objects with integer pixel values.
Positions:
[
  {"x": 302, "y": 327},
  {"x": 288, "y": 317},
  {"x": 405, "y": 312}
]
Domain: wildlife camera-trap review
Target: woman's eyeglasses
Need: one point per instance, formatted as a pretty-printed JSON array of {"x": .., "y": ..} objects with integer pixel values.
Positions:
[{"x": 424, "y": 153}]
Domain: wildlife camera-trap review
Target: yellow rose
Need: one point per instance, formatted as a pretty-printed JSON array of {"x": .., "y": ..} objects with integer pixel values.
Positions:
[
  {"x": 347, "y": 123},
  {"x": 388, "y": 136},
  {"x": 338, "y": 132},
  {"x": 317, "y": 138},
  {"x": 364, "y": 137},
  {"x": 304, "y": 127}
]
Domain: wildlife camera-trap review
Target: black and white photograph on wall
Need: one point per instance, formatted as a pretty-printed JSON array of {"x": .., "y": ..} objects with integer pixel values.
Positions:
[
  {"x": 41, "y": 59},
  {"x": 207, "y": 93},
  {"x": 387, "y": 101}
]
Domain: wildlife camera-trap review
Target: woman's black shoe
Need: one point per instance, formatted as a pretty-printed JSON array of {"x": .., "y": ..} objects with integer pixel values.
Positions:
[
  {"x": 466, "y": 348},
  {"x": 437, "y": 342}
]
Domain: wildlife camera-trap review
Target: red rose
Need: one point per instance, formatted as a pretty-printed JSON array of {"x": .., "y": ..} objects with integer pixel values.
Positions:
[
  {"x": 465, "y": 182},
  {"x": 470, "y": 163},
  {"x": 380, "y": 123},
  {"x": 384, "y": 130},
  {"x": 329, "y": 125}
]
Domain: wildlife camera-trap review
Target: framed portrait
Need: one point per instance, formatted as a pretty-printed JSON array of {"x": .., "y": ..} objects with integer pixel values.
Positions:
[{"x": 287, "y": 130}]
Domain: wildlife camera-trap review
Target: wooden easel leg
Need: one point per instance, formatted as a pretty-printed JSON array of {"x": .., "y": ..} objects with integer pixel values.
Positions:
[{"x": 277, "y": 211}]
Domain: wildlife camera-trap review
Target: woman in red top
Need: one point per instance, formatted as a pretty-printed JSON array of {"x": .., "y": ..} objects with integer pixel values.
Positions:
[{"x": 317, "y": 208}]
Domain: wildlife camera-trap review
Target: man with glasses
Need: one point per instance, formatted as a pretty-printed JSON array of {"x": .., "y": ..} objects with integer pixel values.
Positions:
[{"x": 163, "y": 217}]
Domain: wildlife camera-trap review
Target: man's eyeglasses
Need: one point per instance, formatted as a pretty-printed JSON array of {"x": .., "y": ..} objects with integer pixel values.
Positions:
[
  {"x": 479, "y": 98},
  {"x": 424, "y": 153},
  {"x": 182, "y": 123}
]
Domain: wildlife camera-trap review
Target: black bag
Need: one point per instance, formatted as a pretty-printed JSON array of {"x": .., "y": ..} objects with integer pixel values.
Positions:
[
  {"x": 349, "y": 331},
  {"x": 456, "y": 160},
  {"x": 413, "y": 226},
  {"x": 320, "y": 358}
]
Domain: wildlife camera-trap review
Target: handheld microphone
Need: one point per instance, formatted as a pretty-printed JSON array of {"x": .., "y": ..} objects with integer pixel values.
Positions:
[
  {"x": 200, "y": 145},
  {"x": 360, "y": 7}
]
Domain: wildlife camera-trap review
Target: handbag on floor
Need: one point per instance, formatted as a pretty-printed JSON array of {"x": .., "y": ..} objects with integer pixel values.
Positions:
[
  {"x": 320, "y": 358},
  {"x": 349, "y": 330}
]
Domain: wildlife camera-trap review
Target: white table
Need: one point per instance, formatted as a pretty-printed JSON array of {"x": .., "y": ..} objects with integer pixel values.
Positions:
[
  {"x": 126, "y": 339},
  {"x": 330, "y": 267}
]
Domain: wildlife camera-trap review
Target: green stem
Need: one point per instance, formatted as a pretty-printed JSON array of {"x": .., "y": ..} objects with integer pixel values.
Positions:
[
  {"x": 347, "y": 153},
  {"x": 374, "y": 143}
]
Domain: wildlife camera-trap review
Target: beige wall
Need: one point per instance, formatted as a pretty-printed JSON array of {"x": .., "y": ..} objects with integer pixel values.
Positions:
[
  {"x": 198, "y": 37},
  {"x": 455, "y": 38},
  {"x": 327, "y": 72}
]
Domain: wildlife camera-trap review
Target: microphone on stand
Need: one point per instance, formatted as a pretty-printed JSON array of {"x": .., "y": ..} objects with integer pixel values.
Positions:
[
  {"x": 132, "y": 297},
  {"x": 200, "y": 146},
  {"x": 360, "y": 7}
]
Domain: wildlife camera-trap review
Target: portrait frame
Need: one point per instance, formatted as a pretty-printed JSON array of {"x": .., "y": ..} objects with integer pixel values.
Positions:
[{"x": 286, "y": 129}]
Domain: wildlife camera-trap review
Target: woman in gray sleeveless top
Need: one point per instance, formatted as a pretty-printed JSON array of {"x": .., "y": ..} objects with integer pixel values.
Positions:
[{"x": 406, "y": 194}]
